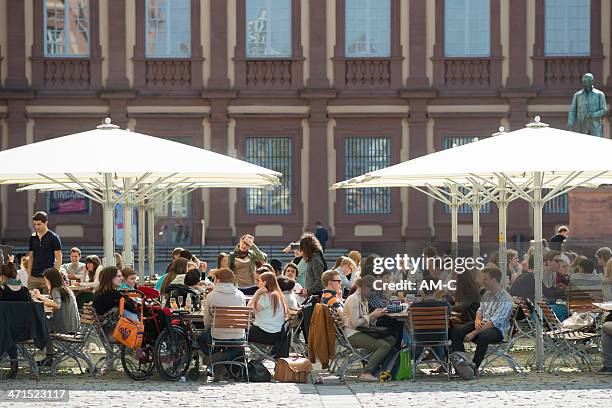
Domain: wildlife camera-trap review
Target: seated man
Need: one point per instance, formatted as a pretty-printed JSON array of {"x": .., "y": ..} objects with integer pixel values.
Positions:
[
  {"x": 524, "y": 286},
  {"x": 430, "y": 300},
  {"x": 492, "y": 319},
  {"x": 331, "y": 295},
  {"x": 585, "y": 279}
]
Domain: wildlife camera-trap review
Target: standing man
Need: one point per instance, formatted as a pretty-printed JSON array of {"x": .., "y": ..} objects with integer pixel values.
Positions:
[
  {"x": 587, "y": 109},
  {"x": 556, "y": 242},
  {"x": 321, "y": 234},
  {"x": 45, "y": 252},
  {"x": 74, "y": 269}
]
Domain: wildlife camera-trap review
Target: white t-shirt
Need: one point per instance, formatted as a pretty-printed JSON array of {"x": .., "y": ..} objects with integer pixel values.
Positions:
[
  {"x": 267, "y": 319},
  {"x": 292, "y": 301}
]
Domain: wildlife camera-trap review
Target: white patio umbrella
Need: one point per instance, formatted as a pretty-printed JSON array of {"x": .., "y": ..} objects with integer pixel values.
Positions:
[
  {"x": 538, "y": 167},
  {"x": 124, "y": 167}
]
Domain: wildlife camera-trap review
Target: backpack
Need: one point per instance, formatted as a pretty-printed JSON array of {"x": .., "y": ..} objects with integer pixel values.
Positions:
[
  {"x": 258, "y": 372},
  {"x": 463, "y": 365}
]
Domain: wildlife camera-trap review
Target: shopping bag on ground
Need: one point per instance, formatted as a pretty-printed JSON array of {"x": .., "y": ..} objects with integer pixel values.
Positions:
[{"x": 404, "y": 371}]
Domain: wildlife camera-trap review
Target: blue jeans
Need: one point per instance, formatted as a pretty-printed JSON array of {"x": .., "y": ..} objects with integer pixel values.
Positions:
[{"x": 205, "y": 340}]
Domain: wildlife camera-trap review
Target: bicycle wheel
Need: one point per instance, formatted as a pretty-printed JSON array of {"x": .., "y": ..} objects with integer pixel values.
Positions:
[
  {"x": 172, "y": 354},
  {"x": 138, "y": 364}
]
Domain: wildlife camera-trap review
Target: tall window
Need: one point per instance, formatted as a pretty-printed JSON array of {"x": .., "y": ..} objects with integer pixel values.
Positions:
[
  {"x": 66, "y": 28},
  {"x": 567, "y": 27},
  {"x": 363, "y": 155},
  {"x": 558, "y": 205},
  {"x": 449, "y": 143},
  {"x": 368, "y": 28},
  {"x": 467, "y": 28},
  {"x": 168, "y": 29},
  {"x": 268, "y": 28},
  {"x": 273, "y": 153}
]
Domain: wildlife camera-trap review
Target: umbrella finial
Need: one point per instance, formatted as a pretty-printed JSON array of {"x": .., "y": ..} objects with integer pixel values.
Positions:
[
  {"x": 537, "y": 123},
  {"x": 502, "y": 130},
  {"x": 107, "y": 125}
]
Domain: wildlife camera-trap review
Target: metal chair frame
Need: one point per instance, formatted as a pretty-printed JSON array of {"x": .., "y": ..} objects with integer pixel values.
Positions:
[{"x": 346, "y": 354}]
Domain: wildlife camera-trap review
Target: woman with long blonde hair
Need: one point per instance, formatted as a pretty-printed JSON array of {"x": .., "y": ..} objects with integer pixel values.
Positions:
[{"x": 270, "y": 309}]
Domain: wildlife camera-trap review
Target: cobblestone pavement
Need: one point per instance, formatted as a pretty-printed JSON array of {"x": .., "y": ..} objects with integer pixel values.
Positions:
[{"x": 541, "y": 390}]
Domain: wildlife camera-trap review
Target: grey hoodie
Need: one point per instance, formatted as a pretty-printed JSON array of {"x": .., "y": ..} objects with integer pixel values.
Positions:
[{"x": 223, "y": 294}]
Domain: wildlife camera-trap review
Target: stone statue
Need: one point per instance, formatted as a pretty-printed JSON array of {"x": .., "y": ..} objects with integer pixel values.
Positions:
[{"x": 588, "y": 107}]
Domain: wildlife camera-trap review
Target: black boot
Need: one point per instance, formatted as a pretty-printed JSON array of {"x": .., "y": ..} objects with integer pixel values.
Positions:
[{"x": 13, "y": 372}]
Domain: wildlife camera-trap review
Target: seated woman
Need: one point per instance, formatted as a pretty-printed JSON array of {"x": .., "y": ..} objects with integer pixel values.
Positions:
[
  {"x": 356, "y": 315},
  {"x": 270, "y": 308},
  {"x": 61, "y": 300},
  {"x": 107, "y": 296},
  {"x": 12, "y": 290},
  {"x": 93, "y": 268},
  {"x": 467, "y": 296},
  {"x": 178, "y": 267}
]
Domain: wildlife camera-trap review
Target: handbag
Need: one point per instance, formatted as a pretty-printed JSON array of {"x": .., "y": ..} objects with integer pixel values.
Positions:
[
  {"x": 579, "y": 321},
  {"x": 258, "y": 372},
  {"x": 292, "y": 370},
  {"x": 127, "y": 331}
]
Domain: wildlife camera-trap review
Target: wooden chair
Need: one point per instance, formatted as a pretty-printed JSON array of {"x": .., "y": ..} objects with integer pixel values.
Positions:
[
  {"x": 582, "y": 301},
  {"x": 112, "y": 348},
  {"x": 430, "y": 330},
  {"x": 73, "y": 346},
  {"x": 570, "y": 346},
  {"x": 236, "y": 318}
]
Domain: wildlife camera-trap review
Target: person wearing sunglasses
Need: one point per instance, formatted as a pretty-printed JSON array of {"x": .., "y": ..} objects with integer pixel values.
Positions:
[{"x": 332, "y": 292}]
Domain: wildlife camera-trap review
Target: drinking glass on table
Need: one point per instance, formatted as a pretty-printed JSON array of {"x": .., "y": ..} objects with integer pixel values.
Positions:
[
  {"x": 180, "y": 302},
  {"x": 173, "y": 304}
]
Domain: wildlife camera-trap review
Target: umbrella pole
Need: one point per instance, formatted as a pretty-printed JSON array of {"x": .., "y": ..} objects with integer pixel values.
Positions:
[
  {"x": 502, "y": 206},
  {"x": 151, "y": 238},
  {"x": 538, "y": 264},
  {"x": 503, "y": 258},
  {"x": 454, "y": 207},
  {"x": 108, "y": 221},
  {"x": 476, "y": 205},
  {"x": 128, "y": 249},
  {"x": 141, "y": 241}
]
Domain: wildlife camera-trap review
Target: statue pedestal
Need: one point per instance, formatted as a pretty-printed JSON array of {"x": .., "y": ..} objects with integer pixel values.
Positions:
[{"x": 590, "y": 213}]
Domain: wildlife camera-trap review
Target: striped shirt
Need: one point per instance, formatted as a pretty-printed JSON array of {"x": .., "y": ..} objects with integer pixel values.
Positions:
[
  {"x": 497, "y": 308},
  {"x": 330, "y": 298}
]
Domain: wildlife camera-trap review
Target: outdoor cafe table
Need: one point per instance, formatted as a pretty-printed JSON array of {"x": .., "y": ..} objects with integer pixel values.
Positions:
[
  {"x": 605, "y": 306},
  {"x": 80, "y": 289}
]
